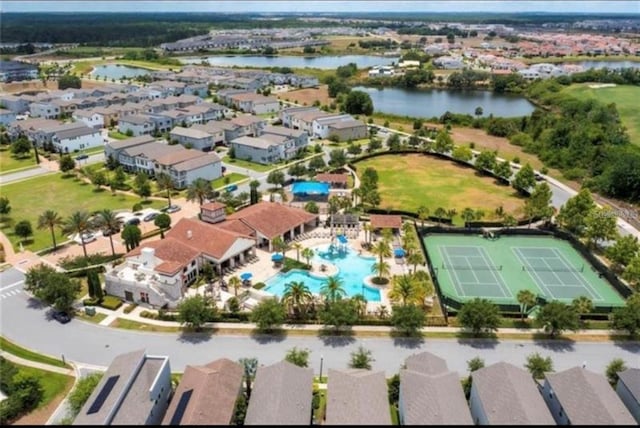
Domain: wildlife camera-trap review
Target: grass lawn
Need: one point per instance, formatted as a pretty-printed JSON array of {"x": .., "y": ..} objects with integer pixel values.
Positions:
[
  {"x": 118, "y": 135},
  {"x": 135, "y": 325},
  {"x": 31, "y": 197},
  {"x": 21, "y": 352},
  {"x": 624, "y": 96},
  {"x": 96, "y": 319},
  {"x": 232, "y": 177},
  {"x": 408, "y": 181},
  {"x": 53, "y": 384},
  {"x": 240, "y": 163},
  {"x": 9, "y": 163}
]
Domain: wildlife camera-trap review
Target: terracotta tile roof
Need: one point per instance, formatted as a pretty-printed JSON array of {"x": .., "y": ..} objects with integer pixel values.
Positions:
[
  {"x": 272, "y": 219},
  {"x": 332, "y": 178},
  {"x": 169, "y": 268},
  {"x": 212, "y": 206},
  {"x": 383, "y": 221},
  {"x": 237, "y": 226},
  {"x": 212, "y": 392},
  {"x": 206, "y": 238},
  {"x": 168, "y": 250}
]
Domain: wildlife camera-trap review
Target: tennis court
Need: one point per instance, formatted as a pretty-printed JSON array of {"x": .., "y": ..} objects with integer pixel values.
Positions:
[{"x": 469, "y": 266}]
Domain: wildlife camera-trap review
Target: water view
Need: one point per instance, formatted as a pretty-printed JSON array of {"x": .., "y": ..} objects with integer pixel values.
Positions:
[
  {"x": 607, "y": 64},
  {"x": 435, "y": 102},
  {"x": 118, "y": 71},
  {"x": 352, "y": 271},
  {"x": 325, "y": 62}
]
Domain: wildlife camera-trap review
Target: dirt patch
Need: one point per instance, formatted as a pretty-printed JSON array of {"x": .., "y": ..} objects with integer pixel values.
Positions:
[
  {"x": 308, "y": 96},
  {"x": 37, "y": 85},
  {"x": 42, "y": 415}
]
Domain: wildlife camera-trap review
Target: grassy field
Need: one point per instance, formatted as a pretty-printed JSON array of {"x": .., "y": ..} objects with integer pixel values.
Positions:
[
  {"x": 9, "y": 163},
  {"x": 625, "y": 97},
  {"x": 232, "y": 177},
  {"x": 118, "y": 135},
  {"x": 31, "y": 197},
  {"x": 249, "y": 165},
  {"x": 21, "y": 352},
  {"x": 93, "y": 319},
  {"x": 408, "y": 181}
]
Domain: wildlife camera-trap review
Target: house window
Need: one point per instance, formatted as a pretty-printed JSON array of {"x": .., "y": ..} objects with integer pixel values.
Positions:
[
  {"x": 144, "y": 297},
  {"x": 193, "y": 263}
]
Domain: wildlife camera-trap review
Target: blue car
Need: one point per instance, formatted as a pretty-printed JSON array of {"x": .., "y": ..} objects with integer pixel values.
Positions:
[{"x": 231, "y": 188}]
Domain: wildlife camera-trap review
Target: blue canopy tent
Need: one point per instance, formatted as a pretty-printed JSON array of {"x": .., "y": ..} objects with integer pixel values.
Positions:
[
  {"x": 343, "y": 239},
  {"x": 277, "y": 257},
  {"x": 246, "y": 276},
  {"x": 398, "y": 252}
]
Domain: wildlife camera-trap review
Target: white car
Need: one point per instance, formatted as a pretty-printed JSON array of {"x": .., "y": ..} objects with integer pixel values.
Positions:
[{"x": 85, "y": 237}]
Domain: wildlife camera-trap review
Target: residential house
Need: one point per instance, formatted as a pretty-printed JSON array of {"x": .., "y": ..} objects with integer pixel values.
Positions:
[
  {"x": 281, "y": 395},
  {"x": 224, "y": 95},
  {"x": 305, "y": 120},
  {"x": 208, "y": 111},
  {"x": 141, "y": 158},
  {"x": 7, "y": 117},
  {"x": 578, "y": 396},
  {"x": 430, "y": 394},
  {"x": 168, "y": 87},
  {"x": 286, "y": 115},
  {"x": 134, "y": 390},
  {"x": 230, "y": 130},
  {"x": 628, "y": 389},
  {"x": 161, "y": 123},
  {"x": 45, "y": 110},
  {"x": 301, "y": 138},
  {"x": 186, "y": 166},
  {"x": 138, "y": 124},
  {"x": 503, "y": 394},
  {"x": 108, "y": 115},
  {"x": 197, "y": 89},
  {"x": 266, "y": 149},
  {"x": 357, "y": 397},
  {"x": 17, "y": 104},
  {"x": 214, "y": 129},
  {"x": 254, "y": 103},
  {"x": 12, "y": 71},
  {"x": 449, "y": 62},
  {"x": 113, "y": 149},
  {"x": 345, "y": 130},
  {"x": 195, "y": 138},
  {"x": 89, "y": 117},
  {"x": 206, "y": 395},
  {"x": 75, "y": 139},
  {"x": 252, "y": 125}
]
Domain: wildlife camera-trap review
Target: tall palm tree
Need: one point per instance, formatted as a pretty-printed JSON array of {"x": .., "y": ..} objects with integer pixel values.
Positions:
[
  {"x": 468, "y": 215},
  {"x": 332, "y": 289},
  {"x": 297, "y": 246},
  {"x": 165, "y": 183},
  {"x": 381, "y": 249},
  {"x": 381, "y": 269},
  {"x": 49, "y": 220},
  {"x": 440, "y": 213},
  {"x": 108, "y": 221},
  {"x": 423, "y": 214},
  {"x": 78, "y": 222},
  {"x": 387, "y": 235},
  {"x": 280, "y": 246},
  {"x": 361, "y": 304},
  {"x": 527, "y": 299},
  {"x": 582, "y": 305},
  {"x": 235, "y": 282},
  {"x": 367, "y": 232},
  {"x": 403, "y": 289},
  {"x": 199, "y": 189},
  {"x": 415, "y": 258},
  {"x": 297, "y": 297},
  {"x": 307, "y": 253}
]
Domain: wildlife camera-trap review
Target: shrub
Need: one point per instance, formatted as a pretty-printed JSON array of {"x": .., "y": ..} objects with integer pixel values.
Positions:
[
  {"x": 137, "y": 207},
  {"x": 90, "y": 302},
  {"x": 149, "y": 314},
  {"x": 111, "y": 302},
  {"x": 259, "y": 285},
  {"x": 130, "y": 307}
]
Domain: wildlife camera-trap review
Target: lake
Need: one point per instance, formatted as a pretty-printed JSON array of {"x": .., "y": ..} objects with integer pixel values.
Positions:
[
  {"x": 608, "y": 64},
  {"x": 117, "y": 71},
  {"x": 324, "y": 62},
  {"x": 435, "y": 102}
]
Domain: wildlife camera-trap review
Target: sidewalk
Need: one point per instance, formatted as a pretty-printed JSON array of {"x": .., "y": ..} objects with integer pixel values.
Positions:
[{"x": 41, "y": 366}]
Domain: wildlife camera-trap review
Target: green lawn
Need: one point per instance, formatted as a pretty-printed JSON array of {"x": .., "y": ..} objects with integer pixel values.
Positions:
[
  {"x": 408, "y": 181},
  {"x": 624, "y": 96},
  {"x": 94, "y": 319},
  {"x": 21, "y": 352},
  {"x": 9, "y": 163},
  {"x": 31, "y": 197},
  {"x": 118, "y": 135},
  {"x": 233, "y": 177},
  {"x": 250, "y": 165},
  {"x": 53, "y": 384}
]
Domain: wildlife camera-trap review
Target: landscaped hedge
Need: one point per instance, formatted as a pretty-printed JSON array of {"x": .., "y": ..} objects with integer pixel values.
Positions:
[
  {"x": 259, "y": 285},
  {"x": 111, "y": 302},
  {"x": 72, "y": 263},
  {"x": 130, "y": 307},
  {"x": 293, "y": 264}
]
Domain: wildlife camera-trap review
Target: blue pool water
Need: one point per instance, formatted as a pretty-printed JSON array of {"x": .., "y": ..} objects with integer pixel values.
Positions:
[
  {"x": 310, "y": 188},
  {"x": 352, "y": 271}
]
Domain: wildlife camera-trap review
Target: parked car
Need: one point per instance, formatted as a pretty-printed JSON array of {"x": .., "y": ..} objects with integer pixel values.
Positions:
[
  {"x": 88, "y": 237},
  {"x": 230, "y": 188},
  {"x": 82, "y": 156},
  {"x": 61, "y": 316},
  {"x": 171, "y": 209},
  {"x": 151, "y": 216},
  {"x": 107, "y": 231},
  {"x": 133, "y": 220},
  {"x": 538, "y": 176}
]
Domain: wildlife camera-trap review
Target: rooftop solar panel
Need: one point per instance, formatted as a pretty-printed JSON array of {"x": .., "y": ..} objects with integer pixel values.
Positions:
[{"x": 104, "y": 393}]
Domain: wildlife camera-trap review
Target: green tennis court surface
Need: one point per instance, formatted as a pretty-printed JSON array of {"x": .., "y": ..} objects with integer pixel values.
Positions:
[{"x": 469, "y": 266}]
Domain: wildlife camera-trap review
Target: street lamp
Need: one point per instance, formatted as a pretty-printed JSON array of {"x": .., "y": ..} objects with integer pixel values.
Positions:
[{"x": 321, "y": 360}]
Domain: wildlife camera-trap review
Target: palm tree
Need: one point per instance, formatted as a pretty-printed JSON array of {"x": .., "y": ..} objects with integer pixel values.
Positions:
[
  {"x": 280, "y": 246},
  {"x": 440, "y": 213},
  {"x": 250, "y": 367},
  {"x": 381, "y": 249},
  {"x": 415, "y": 258},
  {"x": 199, "y": 189},
  {"x": 297, "y": 246},
  {"x": 381, "y": 269},
  {"x": 382, "y": 312},
  {"x": 367, "y": 232},
  {"x": 307, "y": 253},
  {"x": 468, "y": 215},
  {"x": 235, "y": 282},
  {"x": 527, "y": 299},
  {"x": 49, "y": 220},
  {"x": 78, "y": 222},
  {"x": 423, "y": 214},
  {"x": 403, "y": 289},
  {"x": 509, "y": 221},
  {"x": 165, "y": 183},
  {"x": 582, "y": 305},
  {"x": 500, "y": 212},
  {"x": 332, "y": 289},
  {"x": 361, "y": 304},
  {"x": 107, "y": 220},
  {"x": 297, "y": 296},
  {"x": 387, "y": 235}
]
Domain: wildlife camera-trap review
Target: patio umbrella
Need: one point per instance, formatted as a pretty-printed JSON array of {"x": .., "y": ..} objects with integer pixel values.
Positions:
[
  {"x": 246, "y": 276},
  {"x": 398, "y": 252},
  {"x": 277, "y": 257},
  {"x": 343, "y": 239}
]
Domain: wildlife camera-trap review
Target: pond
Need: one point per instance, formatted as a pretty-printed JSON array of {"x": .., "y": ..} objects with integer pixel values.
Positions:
[
  {"x": 435, "y": 102},
  {"x": 324, "y": 62},
  {"x": 118, "y": 71},
  {"x": 607, "y": 64}
]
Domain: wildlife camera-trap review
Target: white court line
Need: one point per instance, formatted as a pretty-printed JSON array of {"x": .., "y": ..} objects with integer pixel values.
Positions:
[
  {"x": 581, "y": 279},
  {"x": 497, "y": 277},
  {"x": 456, "y": 283}
]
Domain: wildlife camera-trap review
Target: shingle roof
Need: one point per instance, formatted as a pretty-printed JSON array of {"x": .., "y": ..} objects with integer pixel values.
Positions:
[
  {"x": 204, "y": 159},
  {"x": 344, "y": 124},
  {"x": 255, "y": 142},
  {"x": 588, "y": 399},
  {"x": 382, "y": 221},
  {"x": 427, "y": 363},
  {"x": 281, "y": 395},
  {"x": 76, "y": 132},
  {"x": 509, "y": 396},
  {"x": 206, "y": 238},
  {"x": 246, "y": 120},
  {"x": 281, "y": 130},
  {"x": 153, "y": 150},
  {"x": 131, "y": 142},
  {"x": 189, "y": 132},
  {"x": 631, "y": 379},
  {"x": 136, "y": 119},
  {"x": 357, "y": 397},
  {"x": 433, "y": 399},
  {"x": 214, "y": 390},
  {"x": 210, "y": 127},
  {"x": 174, "y": 158},
  {"x": 272, "y": 219}
]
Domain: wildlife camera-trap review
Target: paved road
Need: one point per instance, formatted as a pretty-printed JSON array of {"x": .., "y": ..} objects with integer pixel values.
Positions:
[
  {"x": 26, "y": 322},
  {"x": 11, "y": 284}
]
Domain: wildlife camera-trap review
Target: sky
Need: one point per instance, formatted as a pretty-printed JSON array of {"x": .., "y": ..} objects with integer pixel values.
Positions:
[{"x": 320, "y": 6}]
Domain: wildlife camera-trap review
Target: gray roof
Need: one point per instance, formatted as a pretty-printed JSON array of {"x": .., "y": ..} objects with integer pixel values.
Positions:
[
  {"x": 198, "y": 162},
  {"x": 137, "y": 119},
  {"x": 153, "y": 150},
  {"x": 433, "y": 400},
  {"x": 131, "y": 142},
  {"x": 211, "y": 127},
  {"x": 189, "y": 132},
  {"x": 509, "y": 396},
  {"x": 128, "y": 402},
  {"x": 427, "y": 363},
  {"x": 588, "y": 399},
  {"x": 357, "y": 397},
  {"x": 631, "y": 379},
  {"x": 76, "y": 132},
  {"x": 281, "y": 130},
  {"x": 281, "y": 395},
  {"x": 214, "y": 390},
  {"x": 258, "y": 143},
  {"x": 344, "y": 124}
]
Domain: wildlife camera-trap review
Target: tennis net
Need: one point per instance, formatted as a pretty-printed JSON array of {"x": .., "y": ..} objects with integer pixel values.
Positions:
[
  {"x": 470, "y": 267},
  {"x": 550, "y": 269}
]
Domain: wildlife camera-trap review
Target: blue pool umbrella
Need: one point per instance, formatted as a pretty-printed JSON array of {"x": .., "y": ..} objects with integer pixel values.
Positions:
[
  {"x": 277, "y": 257},
  {"x": 398, "y": 252},
  {"x": 246, "y": 276},
  {"x": 342, "y": 239}
]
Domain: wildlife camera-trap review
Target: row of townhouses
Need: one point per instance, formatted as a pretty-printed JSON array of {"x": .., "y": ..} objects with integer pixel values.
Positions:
[{"x": 136, "y": 390}]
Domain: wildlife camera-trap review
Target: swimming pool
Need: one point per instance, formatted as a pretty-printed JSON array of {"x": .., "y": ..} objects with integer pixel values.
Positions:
[
  {"x": 352, "y": 269},
  {"x": 310, "y": 188}
]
